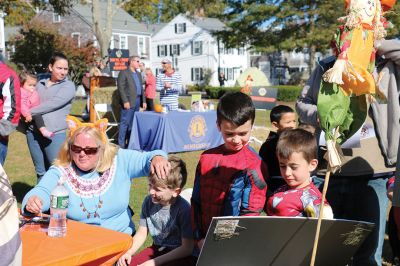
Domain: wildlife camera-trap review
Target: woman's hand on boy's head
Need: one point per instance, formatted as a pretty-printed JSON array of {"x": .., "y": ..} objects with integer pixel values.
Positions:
[{"x": 160, "y": 166}]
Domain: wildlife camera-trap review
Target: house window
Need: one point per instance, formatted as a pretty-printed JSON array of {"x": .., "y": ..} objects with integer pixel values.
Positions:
[
  {"x": 162, "y": 50},
  {"x": 114, "y": 41},
  {"x": 197, "y": 48},
  {"x": 174, "y": 49},
  {"x": 76, "y": 38},
  {"x": 221, "y": 48},
  {"x": 228, "y": 72},
  {"x": 241, "y": 51},
  {"x": 141, "y": 46},
  {"x": 228, "y": 51},
  {"x": 123, "y": 42},
  {"x": 180, "y": 28},
  {"x": 56, "y": 18},
  {"x": 175, "y": 63},
  {"x": 197, "y": 74}
]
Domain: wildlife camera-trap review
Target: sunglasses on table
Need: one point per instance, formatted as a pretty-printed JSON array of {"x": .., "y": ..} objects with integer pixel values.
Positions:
[{"x": 87, "y": 150}]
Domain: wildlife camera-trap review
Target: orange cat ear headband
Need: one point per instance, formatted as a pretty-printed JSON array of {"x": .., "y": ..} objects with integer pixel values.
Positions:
[{"x": 74, "y": 123}]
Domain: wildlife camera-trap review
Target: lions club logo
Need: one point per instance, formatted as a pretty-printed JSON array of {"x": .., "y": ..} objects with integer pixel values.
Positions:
[
  {"x": 262, "y": 91},
  {"x": 118, "y": 53},
  {"x": 197, "y": 128}
]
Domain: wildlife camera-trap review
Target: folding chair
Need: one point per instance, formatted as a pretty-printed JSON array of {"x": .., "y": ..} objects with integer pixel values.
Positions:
[{"x": 104, "y": 108}]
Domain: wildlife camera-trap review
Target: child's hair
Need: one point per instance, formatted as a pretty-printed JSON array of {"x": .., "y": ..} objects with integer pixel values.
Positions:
[
  {"x": 236, "y": 107},
  {"x": 297, "y": 140},
  {"x": 278, "y": 111},
  {"x": 23, "y": 77},
  {"x": 177, "y": 175},
  {"x": 307, "y": 127}
]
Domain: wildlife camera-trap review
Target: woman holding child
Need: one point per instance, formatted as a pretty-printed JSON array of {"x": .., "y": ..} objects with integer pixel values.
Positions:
[
  {"x": 56, "y": 94},
  {"x": 97, "y": 175}
]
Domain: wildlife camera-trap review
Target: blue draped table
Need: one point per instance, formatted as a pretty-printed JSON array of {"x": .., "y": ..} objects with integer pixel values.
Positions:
[{"x": 174, "y": 131}]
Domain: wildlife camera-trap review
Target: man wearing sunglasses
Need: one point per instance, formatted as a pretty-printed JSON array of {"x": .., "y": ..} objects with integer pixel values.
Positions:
[{"x": 131, "y": 93}]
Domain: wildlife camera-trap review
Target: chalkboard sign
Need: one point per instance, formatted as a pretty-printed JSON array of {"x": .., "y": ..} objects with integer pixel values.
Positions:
[
  {"x": 264, "y": 97},
  {"x": 237, "y": 241}
]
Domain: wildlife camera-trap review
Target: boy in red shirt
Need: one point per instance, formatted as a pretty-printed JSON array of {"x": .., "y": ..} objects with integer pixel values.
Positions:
[
  {"x": 297, "y": 153},
  {"x": 230, "y": 179}
]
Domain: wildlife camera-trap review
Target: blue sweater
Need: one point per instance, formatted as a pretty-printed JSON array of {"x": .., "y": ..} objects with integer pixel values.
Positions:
[{"x": 114, "y": 213}]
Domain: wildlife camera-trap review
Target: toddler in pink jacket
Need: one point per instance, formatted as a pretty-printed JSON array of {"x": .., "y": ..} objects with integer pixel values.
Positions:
[{"x": 29, "y": 99}]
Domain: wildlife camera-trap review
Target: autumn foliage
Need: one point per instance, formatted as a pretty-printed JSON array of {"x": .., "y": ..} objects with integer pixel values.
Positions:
[{"x": 37, "y": 41}]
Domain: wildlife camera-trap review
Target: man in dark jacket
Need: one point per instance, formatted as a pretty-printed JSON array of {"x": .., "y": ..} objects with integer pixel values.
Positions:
[{"x": 130, "y": 89}]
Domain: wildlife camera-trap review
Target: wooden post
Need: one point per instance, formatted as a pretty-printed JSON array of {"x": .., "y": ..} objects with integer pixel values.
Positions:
[
  {"x": 321, "y": 206},
  {"x": 94, "y": 83},
  {"x": 321, "y": 212}
]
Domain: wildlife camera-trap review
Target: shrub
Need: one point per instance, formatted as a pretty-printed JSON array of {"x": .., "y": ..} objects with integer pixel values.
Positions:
[
  {"x": 217, "y": 92},
  {"x": 285, "y": 93},
  {"x": 288, "y": 93}
]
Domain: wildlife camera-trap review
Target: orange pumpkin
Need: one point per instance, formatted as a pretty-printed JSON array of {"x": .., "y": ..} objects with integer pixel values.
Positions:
[{"x": 157, "y": 108}]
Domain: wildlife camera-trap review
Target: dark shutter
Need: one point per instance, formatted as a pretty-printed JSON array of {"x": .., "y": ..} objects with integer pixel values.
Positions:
[
  {"x": 158, "y": 50},
  {"x": 179, "y": 49},
  {"x": 201, "y": 74},
  {"x": 184, "y": 27},
  {"x": 166, "y": 49},
  {"x": 201, "y": 48},
  {"x": 192, "y": 43},
  {"x": 170, "y": 50},
  {"x": 192, "y": 73},
  {"x": 176, "y": 28}
]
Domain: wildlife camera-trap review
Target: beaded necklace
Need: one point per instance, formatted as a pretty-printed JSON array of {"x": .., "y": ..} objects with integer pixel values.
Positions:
[
  {"x": 90, "y": 213},
  {"x": 89, "y": 187}
]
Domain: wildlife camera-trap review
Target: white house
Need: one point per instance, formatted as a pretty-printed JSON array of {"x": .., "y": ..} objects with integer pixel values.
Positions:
[{"x": 189, "y": 44}]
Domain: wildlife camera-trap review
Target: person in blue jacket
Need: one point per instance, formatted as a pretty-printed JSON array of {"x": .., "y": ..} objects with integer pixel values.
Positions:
[{"x": 98, "y": 176}]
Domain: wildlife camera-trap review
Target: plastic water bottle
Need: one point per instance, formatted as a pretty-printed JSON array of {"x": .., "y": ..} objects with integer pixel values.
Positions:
[{"x": 58, "y": 211}]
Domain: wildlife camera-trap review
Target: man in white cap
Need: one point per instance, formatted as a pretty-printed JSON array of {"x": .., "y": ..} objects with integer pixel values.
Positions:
[{"x": 169, "y": 83}]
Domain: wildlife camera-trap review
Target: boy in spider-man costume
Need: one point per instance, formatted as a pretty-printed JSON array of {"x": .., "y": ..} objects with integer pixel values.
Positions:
[{"x": 230, "y": 179}]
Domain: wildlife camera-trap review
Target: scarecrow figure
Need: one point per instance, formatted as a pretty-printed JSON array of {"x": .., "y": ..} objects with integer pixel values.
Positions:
[{"x": 347, "y": 86}]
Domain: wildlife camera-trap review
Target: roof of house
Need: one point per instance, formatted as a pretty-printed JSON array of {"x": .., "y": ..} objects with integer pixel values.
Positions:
[
  {"x": 154, "y": 28},
  {"x": 121, "y": 20},
  {"x": 210, "y": 24}
]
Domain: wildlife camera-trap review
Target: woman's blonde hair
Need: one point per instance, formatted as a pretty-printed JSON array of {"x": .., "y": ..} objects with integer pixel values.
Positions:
[
  {"x": 94, "y": 71},
  {"x": 107, "y": 151}
]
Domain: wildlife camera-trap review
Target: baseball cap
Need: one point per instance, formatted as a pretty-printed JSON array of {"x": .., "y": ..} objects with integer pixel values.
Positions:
[{"x": 166, "y": 61}]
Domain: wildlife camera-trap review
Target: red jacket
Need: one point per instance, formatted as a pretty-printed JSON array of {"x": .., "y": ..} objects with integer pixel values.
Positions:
[
  {"x": 10, "y": 95},
  {"x": 227, "y": 184}
]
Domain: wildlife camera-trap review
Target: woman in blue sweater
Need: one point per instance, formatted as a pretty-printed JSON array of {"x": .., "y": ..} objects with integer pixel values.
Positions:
[{"x": 97, "y": 175}]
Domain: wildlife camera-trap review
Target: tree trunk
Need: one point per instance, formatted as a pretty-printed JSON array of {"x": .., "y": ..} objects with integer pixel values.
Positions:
[
  {"x": 101, "y": 31},
  {"x": 311, "y": 63}
]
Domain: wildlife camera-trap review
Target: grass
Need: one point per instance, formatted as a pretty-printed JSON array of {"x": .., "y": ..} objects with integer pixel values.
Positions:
[{"x": 21, "y": 172}]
